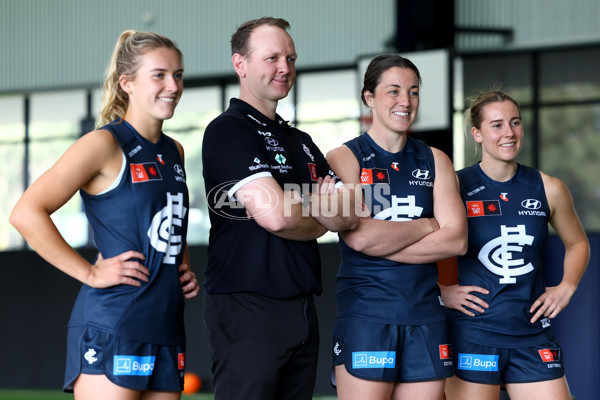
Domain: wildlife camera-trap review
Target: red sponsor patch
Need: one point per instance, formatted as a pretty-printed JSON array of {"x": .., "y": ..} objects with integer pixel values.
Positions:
[
  {"x": 144, "y": 172},
  {"x": 483, "y": 207},
  {"x": 369, "y": 176},
  {"x": 549, "y": 355},
  {"x": 313, "y": 172},
  {"x": 445, "y": 351},
  {"x": 181, "y": 360}
]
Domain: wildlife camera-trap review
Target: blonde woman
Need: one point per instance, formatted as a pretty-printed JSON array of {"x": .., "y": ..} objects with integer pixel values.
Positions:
[{"x": 126, "y": 338}]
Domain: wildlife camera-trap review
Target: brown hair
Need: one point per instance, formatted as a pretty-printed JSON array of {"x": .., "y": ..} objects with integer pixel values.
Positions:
[
  {"x": 378, "y": 66},
  {"x": 240, "y": 39},
  {"x": 125, "y": 60}
]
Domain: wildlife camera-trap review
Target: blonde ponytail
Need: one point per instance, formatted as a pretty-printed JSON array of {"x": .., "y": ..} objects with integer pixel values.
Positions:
[{"x": 125, "y": 60}]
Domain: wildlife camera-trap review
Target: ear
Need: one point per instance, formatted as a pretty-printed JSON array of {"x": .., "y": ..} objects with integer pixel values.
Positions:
[
  {"x": 369, "y": 98},
  {"x": 476, "y": 135},
  {"x": 125, "y": 84},
  {"x": 239, "y": 64}
]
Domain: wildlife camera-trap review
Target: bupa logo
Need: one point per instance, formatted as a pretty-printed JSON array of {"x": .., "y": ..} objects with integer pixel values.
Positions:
[
  {"x": 374, "y": 359},
  {"x": 133, "y": 365},
  {"x": 500, "y": 255},
  {"x": 477, "y": 362},
  {"x": 531, "y": 204},
  {"x": 421, "y": 174}
]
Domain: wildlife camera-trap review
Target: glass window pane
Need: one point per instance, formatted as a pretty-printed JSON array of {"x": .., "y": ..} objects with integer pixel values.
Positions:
[
  {"x": 328, "y": 135},
  {"x": 570, "y": 75},
  {"x": 328, "y": 96},
  {"x": 569, "y": 151},
  {"x": 55, "y": 125},
  {"x": 194, "y": 112},
  {"x": 11, "y": 118},
  {"x": 11, "y": 187},
  {"x": 57, "y": 114},
  {"x": 511, "y": 72}
]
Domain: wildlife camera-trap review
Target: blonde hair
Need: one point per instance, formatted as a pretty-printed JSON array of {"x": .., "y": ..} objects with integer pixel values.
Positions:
[{"x": 125, "y": 60}]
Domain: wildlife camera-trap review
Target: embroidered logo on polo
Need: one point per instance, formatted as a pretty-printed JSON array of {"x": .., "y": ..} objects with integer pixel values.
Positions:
[
  {"x": 313, "y": 172},
  {"x": 307, "y": 151},
  {"x": 374, "y": 359},
  {"x": 165, "y": 230},
  {"x": 370, "y": 176},
  {"x": 500, "y": 255},
  {"x": 145, "y": 172},
  {"x": 401, "y": 209},
  {"x": 483, "y": 207}
]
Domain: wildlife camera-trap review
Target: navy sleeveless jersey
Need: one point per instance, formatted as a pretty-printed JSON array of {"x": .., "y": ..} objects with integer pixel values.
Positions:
[
  {"x": 145, "y": 212},
  {"x": 396, "y": 187},
  {"x": 239, "y": 146},
  {"x": 508, "y": 230}
]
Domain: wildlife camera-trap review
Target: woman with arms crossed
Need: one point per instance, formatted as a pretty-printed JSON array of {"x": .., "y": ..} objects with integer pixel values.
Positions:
[
  {"x": 126, "y": 338},
  {"x": 501, "y": 309},
  {"x": 390, "y": 338}
]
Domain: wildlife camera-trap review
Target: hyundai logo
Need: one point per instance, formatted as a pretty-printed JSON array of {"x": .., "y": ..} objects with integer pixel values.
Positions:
[
  {"x": 271, "y": 141},
  {"x": 531, "y": 204},
  {"x": 421, "y": 174},
  {"x": 178, "y": 169}
]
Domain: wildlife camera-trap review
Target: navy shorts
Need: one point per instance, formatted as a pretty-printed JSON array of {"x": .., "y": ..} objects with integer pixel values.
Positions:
[
  {"x": 127, "y": 363},
  {"x": 392, "y": 353},
  {"x": 492, "y": 365}
]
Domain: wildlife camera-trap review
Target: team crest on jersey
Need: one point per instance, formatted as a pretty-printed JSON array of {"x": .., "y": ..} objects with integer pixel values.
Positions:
[
  {"x": 369, "y": 176},
  {"x": 483, "y": 207},
  {"x": 500, "y": 255},
  {"x": 165, "y": 230},
  {"x": 145, "y": 172},
  {"x": 401, "y": 209}
]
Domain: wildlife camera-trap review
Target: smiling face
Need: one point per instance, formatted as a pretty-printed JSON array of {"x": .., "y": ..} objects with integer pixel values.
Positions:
[
  {"x": 268, "y": 71},
  {"x": 395, "y": 103},
  {"x": 157, "y": 86},
  {"x": 500, "y": 133}
]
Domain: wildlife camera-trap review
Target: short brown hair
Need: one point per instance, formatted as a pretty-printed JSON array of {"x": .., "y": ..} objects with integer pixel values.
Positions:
[{"x": 240, "y": 39}]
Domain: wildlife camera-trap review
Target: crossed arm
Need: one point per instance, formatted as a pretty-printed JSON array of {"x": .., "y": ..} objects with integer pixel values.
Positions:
[
  {"x": 418, "y": 241},
  {"x": 290, "y": 216}
]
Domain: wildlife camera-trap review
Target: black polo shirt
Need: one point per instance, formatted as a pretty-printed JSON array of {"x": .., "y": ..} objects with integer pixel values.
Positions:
[{"x": 239, "y": 146}]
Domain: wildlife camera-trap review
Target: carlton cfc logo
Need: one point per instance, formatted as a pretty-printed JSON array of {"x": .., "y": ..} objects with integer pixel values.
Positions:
[
  {"x": 164, "y": 228},
  {"x": 500, "y": 255},
  {"x": 401, "y": 209}
]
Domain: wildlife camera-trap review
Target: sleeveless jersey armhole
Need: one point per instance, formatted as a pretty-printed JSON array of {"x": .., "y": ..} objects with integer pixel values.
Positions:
[{"x": 117, "y": 179}]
